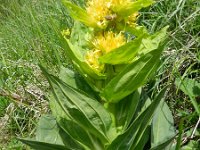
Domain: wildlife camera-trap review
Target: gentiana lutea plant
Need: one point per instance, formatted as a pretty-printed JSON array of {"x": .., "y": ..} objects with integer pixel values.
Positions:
[{"x": 101, "y": 105}]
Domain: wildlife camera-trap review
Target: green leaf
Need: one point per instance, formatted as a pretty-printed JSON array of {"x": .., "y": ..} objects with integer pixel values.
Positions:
[
  {"x": 48, "y": 131},
  {"x": 132, "y": 77},
  {"x": 80, "y": 36},
  {"x": 79, "y": 134},
  {"x": 137, "y": 30},
  {"x": 192, "y": 145},
  {"x": 191, "y": 88},
  {"x": 37, "y": 145},
  {"x": 164, "y": 145},
  {"x": 134, "y": 134},
  {"x": 162, "y": 125},
  {"x": 58, "y": 112},
  {"x": 144, "y": 139},
  {"x": 79, "y": 14},
  {"x": 76, "y": 81},
  {"x": 153, "y": 42},
  {"x": 84, "y": 110},
  {"x": 126, "y": 109},
  {"x": 56, "y": 109},
  {"x": 133, "y": 7},
  {"x": 123, "y": 54}
]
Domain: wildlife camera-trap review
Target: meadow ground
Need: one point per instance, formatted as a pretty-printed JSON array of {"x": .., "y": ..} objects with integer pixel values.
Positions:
[{"x": 28, "y": 37}]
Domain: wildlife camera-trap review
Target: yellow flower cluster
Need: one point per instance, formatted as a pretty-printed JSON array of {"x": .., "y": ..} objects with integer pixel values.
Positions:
[
  {"x": 103, "y": 11},
  {"x": 92, "y": 59},
  {"x": 98, "y": 10},
  {"x": 104, "y": 42},
  {"x": 131, "y": 21},
  {"x": 108, "y": 41}
]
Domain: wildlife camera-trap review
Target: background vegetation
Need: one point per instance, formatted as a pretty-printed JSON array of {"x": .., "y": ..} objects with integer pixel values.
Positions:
[{"x": 28, "y": 36}]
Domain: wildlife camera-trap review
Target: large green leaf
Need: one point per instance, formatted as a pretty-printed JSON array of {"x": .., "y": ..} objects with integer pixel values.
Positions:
[
  {"x": 132, "y": 77},
  {"x": 162, "y": 125},
  {"x": 126, "y": 109},
  {"x": 164, "y": 145},
  {"x": 48, "y": 131},
  {"x": 58, "y": 113},
  {"x": 75, "y": 80},
  {"x": 144, "y": 139},
  {"x": 153, "y": 42},
  {"x": 134, "y": 134},
  {"x": 80, "y": 135},
  {"x": 80, "y": 14},
  {"x": 37, "y": 145},
  {"x": 133, "y": 7},
  {"x": 84, "y": 110}
]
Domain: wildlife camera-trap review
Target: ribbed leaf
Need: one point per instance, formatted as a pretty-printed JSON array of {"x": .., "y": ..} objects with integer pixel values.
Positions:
[
  {"x": 162, "y": 125},
  {"x": 44, "y": 146},
  {"x": 144, "y": 139},
  {"x": 85, "y": 111},
  {"x": 80, "y": 135},
  {"x": 164, "y": 145},
  {"x": 76, "y": 81},
  {"x": 48, "y": 131},
  {"x": 153, "y": 42},
  {"x": 79, "y": 14},
  {"x": 132, "y": 137},
  {"x": 126, "y": 109},
  {"x": 58, "y": 113},
  {"x": 132, "y": 77}
]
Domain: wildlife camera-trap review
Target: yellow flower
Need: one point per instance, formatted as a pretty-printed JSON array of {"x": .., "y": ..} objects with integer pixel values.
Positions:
[
  {"x": 92, "y": 57},
  {"x": 131, "y": 20},
  {"x": 98, "y": 10},
  {"x": 104, "y": 11},
  {"x": 108, "y": 41}
]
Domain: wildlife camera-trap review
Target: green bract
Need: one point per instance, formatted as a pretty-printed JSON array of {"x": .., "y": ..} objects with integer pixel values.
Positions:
[{"x": 101, "y": 105}]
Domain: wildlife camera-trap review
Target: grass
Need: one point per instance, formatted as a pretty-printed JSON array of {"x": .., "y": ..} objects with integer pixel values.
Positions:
[{"x": 28, "y": 37}]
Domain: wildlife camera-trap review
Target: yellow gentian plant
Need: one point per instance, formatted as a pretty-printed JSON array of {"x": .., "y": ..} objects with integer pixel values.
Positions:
[{"x": 101, "y": 105}]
